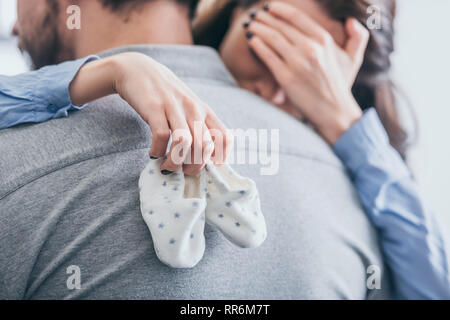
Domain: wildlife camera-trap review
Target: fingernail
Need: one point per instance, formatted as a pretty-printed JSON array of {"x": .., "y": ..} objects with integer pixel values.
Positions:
[
  {"x": 249, "y": 35},
  {"x": 266, "y": 6},
  {"x": 166, "y": 172},
  {"x": 253, "y": 14},
  {"x": 153, "y": 158},
  {"x": 246, "y": 24}
]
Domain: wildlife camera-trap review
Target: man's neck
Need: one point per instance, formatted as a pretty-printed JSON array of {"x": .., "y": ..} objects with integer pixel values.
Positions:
[{"x": 155, "y": 22}]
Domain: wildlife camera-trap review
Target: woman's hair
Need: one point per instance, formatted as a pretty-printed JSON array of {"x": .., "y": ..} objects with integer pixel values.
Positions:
[{"x": 373, "y": 86}]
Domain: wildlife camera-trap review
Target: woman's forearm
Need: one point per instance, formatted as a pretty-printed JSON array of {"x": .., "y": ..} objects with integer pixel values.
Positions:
[
  {"x": 411, "y": 240},
  {"x": 164, "y": 101},
  {"x": 94, "y": 80}
]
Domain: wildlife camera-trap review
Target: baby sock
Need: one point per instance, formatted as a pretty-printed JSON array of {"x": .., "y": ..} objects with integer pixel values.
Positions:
[
  {"x": 173, "y": 208},
  {"x": 233, "y": 207}
]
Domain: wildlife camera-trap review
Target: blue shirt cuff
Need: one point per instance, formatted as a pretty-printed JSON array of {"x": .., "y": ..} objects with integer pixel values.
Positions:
[
  {"x": 366, "y": 142},
  {"x": 53, "y": 87}
]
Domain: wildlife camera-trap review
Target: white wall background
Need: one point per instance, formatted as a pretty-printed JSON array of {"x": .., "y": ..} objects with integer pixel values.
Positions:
[
  {"x": 11, "y": 61},
  {"x": 7, "y": 15},
  {"x": 421, "y": 68}
]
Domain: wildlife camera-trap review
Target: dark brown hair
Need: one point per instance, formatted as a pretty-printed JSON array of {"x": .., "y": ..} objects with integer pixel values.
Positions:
[{"x": 373, "y": 86}]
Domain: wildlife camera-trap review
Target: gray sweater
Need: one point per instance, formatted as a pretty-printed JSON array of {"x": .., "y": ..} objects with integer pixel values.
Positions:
[{"x": 69, "y": 201}]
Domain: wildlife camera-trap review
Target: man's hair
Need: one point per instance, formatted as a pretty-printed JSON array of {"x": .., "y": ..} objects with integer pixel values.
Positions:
[{"x": 116, "y": 5}]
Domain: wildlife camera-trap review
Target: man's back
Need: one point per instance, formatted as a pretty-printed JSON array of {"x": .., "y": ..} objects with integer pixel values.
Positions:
[{"x": 69, "y": 199}]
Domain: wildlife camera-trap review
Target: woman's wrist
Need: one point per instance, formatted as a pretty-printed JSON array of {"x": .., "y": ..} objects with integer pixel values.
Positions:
[
  {"x": 94, "y": 80},
  {"x": 340, "y": 121}
]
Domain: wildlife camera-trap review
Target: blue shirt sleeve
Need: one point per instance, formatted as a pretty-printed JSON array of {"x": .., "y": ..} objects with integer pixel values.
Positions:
[
  {"x": 39, "y": 95},
  {"x": 413, "y": 245}
]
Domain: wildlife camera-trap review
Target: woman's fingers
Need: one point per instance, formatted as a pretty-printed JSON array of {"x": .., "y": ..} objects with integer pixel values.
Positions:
[
  {"x": 298, "y": 53},
  {"x": 274, "y": 38},
  {"x": 279, "y": 97},
  {"x": 291, "y": 33},
  {"x": 222, "y": 139},
  {"x": 192, "y": 143},
  {"x": 201, "y": 150},
  {"x": 358, "y": 38},
  {"x": 181, "y": 140},
  {"x": 202, "y": 145},
  {"x": 299, "y": 19},
  {"x": 160, "y": 133},
  {"x": 273, "y": 62}
]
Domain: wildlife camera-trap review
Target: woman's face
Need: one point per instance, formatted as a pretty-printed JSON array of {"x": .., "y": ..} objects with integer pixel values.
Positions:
[{"x": 247, "y": 69}]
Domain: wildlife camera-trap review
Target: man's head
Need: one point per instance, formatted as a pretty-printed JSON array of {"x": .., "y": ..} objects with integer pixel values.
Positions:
[
  {"x": 43, "y": 33},
  {"x": 37, "y": 27}
]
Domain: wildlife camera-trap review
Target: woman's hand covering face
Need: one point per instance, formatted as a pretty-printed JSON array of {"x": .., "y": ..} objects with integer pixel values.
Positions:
[{"x": 313, "y": 71}]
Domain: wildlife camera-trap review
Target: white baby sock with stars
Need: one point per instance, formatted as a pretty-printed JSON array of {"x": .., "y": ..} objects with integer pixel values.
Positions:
[
  {"x": 173, "y": 208},
  {"x": 233, "y": 207},
  {"x": 176, "y": 206}
]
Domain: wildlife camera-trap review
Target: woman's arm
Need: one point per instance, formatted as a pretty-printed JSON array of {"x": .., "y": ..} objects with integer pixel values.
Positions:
[
  {"x": 170, "y": 108},
  {"x": 412, "y": 242}
]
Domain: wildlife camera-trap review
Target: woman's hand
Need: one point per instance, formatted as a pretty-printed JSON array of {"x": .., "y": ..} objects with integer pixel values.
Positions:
[
  {"x": 314, "y": 72},
  {"x": 163, "y": 101}
]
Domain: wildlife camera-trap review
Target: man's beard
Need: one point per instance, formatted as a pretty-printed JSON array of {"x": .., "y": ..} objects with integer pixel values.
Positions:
[{"x": 44, "y": 45}]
